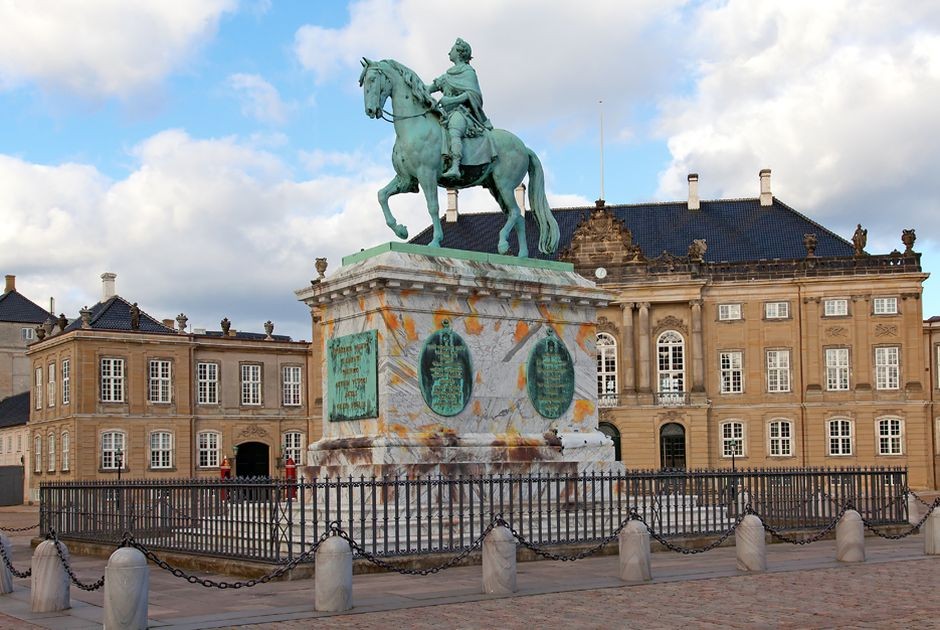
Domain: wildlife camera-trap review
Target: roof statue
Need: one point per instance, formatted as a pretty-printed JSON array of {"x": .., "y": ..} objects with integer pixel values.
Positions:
[{"x": 451, "y": 143}]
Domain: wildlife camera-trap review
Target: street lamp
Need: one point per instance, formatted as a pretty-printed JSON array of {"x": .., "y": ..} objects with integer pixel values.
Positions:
[{"x": 120, "y": 462}]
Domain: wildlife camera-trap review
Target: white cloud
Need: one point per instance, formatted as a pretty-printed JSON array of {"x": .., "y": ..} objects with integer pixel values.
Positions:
[
  {"x": 102, "y": 48},
  {"x": 259, "y": 99}
]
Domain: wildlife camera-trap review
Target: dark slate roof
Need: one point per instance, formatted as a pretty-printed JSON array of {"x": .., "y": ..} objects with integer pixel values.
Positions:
[
  {"x": 734, "y": 230},
  {"x": 16, "y": 308},
  {"x": 14, "y": 410},
  {"x": 247, "y": 335},
  {"x": 115, "y": 314}
]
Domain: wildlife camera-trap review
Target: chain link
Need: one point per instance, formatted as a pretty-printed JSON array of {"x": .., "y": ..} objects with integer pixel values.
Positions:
[
  {"x": 9, "y": 563},
  {"x": 920, "y": 500},
  {"x": 550, "y": 555},
  {"x": 692, "y": 550},
  {"x": 803, "y": 541},
  {"x": 905, "y": 534},
  {"x": 18, "y": 529},
  {"x": 92, "y": 586}
]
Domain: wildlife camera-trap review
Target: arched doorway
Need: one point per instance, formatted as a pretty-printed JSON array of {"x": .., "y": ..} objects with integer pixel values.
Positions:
[
  {"x": 611, "y": 431},
  {"x": 252, "y": 460},
  {"x": 672, "y": 445}
]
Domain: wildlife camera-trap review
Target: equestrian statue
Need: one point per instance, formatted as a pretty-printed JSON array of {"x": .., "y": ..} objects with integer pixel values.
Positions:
[{"x": 451, "y": 143}]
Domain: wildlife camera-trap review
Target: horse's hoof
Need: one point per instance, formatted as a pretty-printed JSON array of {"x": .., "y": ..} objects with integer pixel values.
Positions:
[
  {"x": 400, "y": 231},
  {"x": 503, "y": 247},
  {"x": 434, "y": 243},
  {"x": 523, "y": 253}
]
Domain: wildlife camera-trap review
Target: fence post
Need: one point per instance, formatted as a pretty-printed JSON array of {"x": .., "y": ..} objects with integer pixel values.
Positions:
[
  {"x": 499, "y": 562},
  {"x": 750, "y": 544},
  {"x": 126, "y": 590},
  {"x": 50, "y": 582},
  {"x": 6, "y": 576},
  {"x": 333, "y": 576},
  {"x": 932, "y": 533},
  {"x": 850, "y": 538},
  {"x": 635, "y": 553}
]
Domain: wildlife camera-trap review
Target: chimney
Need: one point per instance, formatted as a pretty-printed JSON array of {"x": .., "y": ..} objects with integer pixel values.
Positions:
[
  {"x": 693, "y": 192},
  {"x": 766, "y": 198},
  {"x": 11, "y": 284},
  {"x": 52, "y": 305},
  {"x": 107, "y": 285},
  {"x": 168, "y": 322},
  {"x": 520, "y": 197},
  {"x": 451, "y": 216}
]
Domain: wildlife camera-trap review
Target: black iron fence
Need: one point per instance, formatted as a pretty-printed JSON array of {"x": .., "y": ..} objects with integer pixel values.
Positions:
[{"x": 274, "y": 520}]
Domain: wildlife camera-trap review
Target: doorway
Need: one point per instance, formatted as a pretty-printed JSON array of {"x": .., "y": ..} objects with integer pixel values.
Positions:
[
  {"x": 672, "y": 445},
  {"x": 611, "y": 431},
  {"x": 252, "y": 460}
]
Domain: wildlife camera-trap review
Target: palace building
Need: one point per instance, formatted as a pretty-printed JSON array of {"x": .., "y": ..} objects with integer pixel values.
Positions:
[{"x": 742, "y": 333}]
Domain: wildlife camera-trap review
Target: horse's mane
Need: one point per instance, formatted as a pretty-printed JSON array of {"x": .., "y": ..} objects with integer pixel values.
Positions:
[{"x": 413, "y": 81}]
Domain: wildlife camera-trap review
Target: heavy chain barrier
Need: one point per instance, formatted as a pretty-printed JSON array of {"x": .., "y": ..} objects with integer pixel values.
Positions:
[
  {"x": 692, "y": 550},
  {"x": 914, "y": 528},
  {"x": 9, "y": 563},
  {"x": 91, "y": 586},
  {"x": 551, "y": 555},
  {"x": 920, "y": 500},
  {"x": 810, "y": 539},
  {"x": 18, "y": 529}
]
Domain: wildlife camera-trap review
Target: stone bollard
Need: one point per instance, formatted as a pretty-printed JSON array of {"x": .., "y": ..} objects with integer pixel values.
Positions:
[
  {"x": 750, "y": 544},
  {"x": 126, "y": 590},
  {"x": 6, "y": 576},
  {"x": 913, "y": 509},
  {"x": 50, "y": 582},
  {"x": 932, "y": 533},
  {"x": 333, "y": 576},
  {"x": 499, "y": 562},
  {"x": 850, "y": 538},
  {"x": 635, "y": 553}
]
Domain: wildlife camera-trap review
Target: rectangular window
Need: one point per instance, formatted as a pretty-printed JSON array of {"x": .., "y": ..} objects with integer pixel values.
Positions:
[
  {"x": 50, "y": 386},
  {"x": 840, "y": 437},
  {"x": 37, "y": 454},
  {"x": 889, "y": 436},
  {"x": 292, "y": 447},
  {"x": 835, "y": 308},
  {"x": 885, "y": 306},
  {"x": 208, "y": 447},
  {"x": 291, "y": 385},
  {"x": 732, "y": 374},
  {"x": 777, "y": 310},
  {"x": 37, "y": 391},
  {"x": 159, "y": 391},
  {"x": 161, "y": 449},
  {"x": 732, "y": 439},
  {"x": 66, "y": 447},
  {"x": 837, "y": 369},
  {"x": 778, "y": 371},
  {"x": 51, "y": 453},
  {"x": 781, "y": 438},
  {"x": 727, "y": 312},
  {"x": 251, "y": 384},
  {"x": 887, "y": 368},
  {"x": 112, "y": 450},
  {"x": 28, "y": 334},
  {"x": 207, "y": 383},
  {"x": 66, "y": 381},
  {"x": 112, "y": 380}
]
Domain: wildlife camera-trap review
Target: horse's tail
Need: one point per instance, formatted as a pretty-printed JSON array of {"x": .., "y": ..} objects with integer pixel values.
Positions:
[{"x": 548, "y": 226}]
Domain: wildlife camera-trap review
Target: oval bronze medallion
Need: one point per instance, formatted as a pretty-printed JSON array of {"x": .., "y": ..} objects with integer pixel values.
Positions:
[
  {"x": 446, "y": 372},
  {"x": 550, "y": 377}
]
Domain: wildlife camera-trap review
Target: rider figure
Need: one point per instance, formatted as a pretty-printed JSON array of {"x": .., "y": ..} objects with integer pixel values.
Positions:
[{"x": 461, "y": 101}]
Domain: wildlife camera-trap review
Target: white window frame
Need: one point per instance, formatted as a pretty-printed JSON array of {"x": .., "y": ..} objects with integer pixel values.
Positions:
[
  {"x": 208, "y": 449},
  {"x": 250, "y": 384},
  {"x": 607, "y": 378},
  {"x": 160, "y": 381},
  {"x": 884, "y": 306},
  {"x": 780, "y": 438},
  {"x": 778, "y": 371},
  {"x": 670, "y": 362},
  {"x": 38, "y": 389},
  {"x": 27, "y": 333},
  {"x": 776, "y": 310},
  {"x": 840, "y": 443},
  {"x": 732, "y": 438},
  {"x": 37, "y": 454},
  {"x": 890, "y": 434},
  {"x": 161, "y": 450},
  {"x": 887, "y": 367},
  {"x": 291, "y": 385},
  {"x": 50, "y": 385},
  {"x": 110, "y": 446},
  {"x": 838, "y": 374},
  {"x": 731, "y": 371},
  {"x": 66, "y": 448},
  {"x": 292, "y": 445},
  {"x": 729, "y": 312},
  {"x": 836, "y": 307},
  {"x": 66, "y": 381},
  {"x": 207, "y": 383},
  {"x": 50, "y": 453},
  {"x": 111, "y": 375}
]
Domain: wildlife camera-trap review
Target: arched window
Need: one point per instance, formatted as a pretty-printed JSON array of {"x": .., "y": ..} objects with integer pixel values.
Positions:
[
  {"x": 37, "y": 454},
  {"x": 51, "y": 454},
  {"x": 614, "y": 434},
  {"x": 839, "y": 434},
  {"x": 292, "y": 447},
  {"x": 732, "y": 439},
  {"x": 890, "y": 436},
  {"x": 208, "y": 446},
  {"x": 66, "y": 446},
  {"x": 161, "y": 449},
  {"x": 606, "y": 370},
  {"x": 780, "y": 438},
  {"x": 670, "y": 353},
  {"x": 113, "y": 455}
]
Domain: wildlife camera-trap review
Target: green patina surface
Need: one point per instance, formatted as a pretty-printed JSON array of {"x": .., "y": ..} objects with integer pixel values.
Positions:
[
  {"x": 446, "y": 372},
  {"x": 550, "y": 377},
  {"x": 352, "y": 377},
  {"x": 460, "y": 254}
]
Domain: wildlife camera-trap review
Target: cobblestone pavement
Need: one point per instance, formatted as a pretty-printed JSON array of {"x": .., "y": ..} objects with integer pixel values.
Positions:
[{"x": 888, "y": 595}]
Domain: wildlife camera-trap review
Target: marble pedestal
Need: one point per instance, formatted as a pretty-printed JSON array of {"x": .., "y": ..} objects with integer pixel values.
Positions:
[{"x": 500, "y": 307}]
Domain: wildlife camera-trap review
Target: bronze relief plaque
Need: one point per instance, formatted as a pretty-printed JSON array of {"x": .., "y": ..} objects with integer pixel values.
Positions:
[
  {"x": 446, "y": 372},
  {"x": 550, "y": 376},
  {"x": 352, "y": 376}
]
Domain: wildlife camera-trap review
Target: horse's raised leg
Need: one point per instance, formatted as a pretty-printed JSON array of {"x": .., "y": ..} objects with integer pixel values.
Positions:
[
  {"x": 506, "y": 197},
  {"x": 427, "y": 180},
  {"x": 397, "y": 185}
]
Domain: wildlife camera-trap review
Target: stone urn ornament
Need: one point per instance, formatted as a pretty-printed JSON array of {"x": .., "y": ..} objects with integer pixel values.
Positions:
[
  {"x": 268, "y": 329},
  {"x": 809, "y": 242},
  {"x": 181, "y": 320},
  {"x": 908, "y": 237},
  {"x": 226, "y": 326}
]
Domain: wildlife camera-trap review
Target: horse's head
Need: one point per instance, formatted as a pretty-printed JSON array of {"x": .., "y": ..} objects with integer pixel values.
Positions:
[{"x": 376, "y": 87}]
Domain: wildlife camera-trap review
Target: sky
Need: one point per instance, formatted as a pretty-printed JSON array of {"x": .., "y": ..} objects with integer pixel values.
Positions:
[{"x": 208, "y": 151}]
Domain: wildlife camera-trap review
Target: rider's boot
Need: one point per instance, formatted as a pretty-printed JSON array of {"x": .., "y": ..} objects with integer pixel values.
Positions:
[{"x": 456, "y": 147}]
